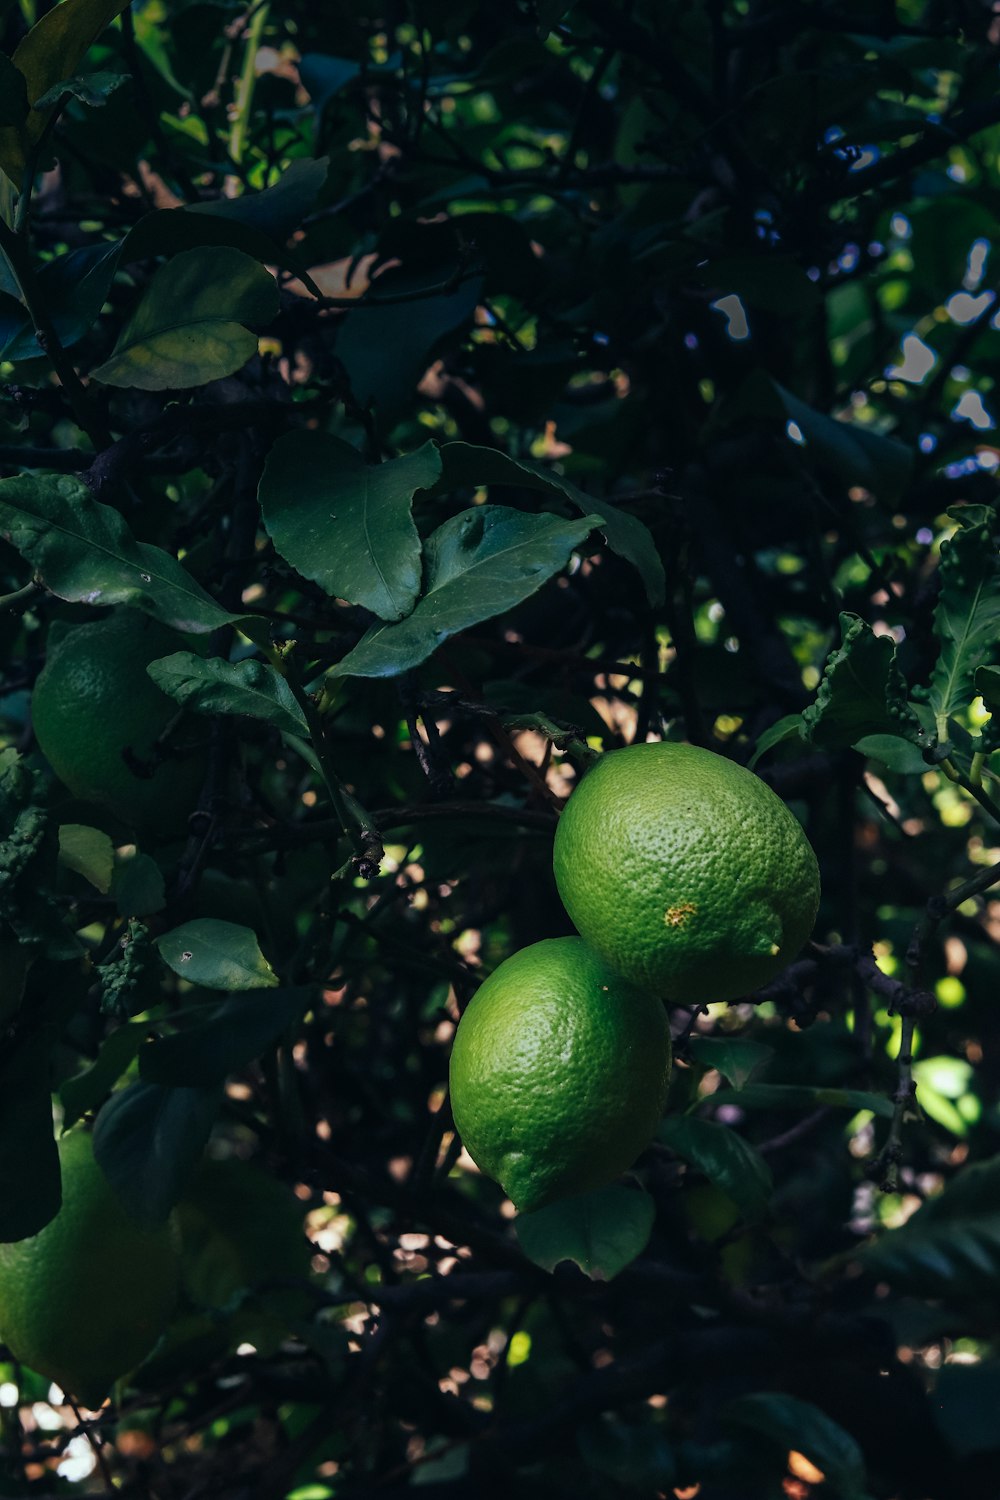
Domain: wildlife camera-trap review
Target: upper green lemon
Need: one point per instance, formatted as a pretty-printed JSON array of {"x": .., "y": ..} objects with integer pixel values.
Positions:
[
  {"x": 685, "y": 872},
  {"x": 85, "y": 1299},
  {"x": 98, "y": 715},
  {"x": 558, "y": 1073}
]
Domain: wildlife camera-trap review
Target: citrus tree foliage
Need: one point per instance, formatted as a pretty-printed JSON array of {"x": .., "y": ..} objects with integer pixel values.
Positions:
[{"x": 466, "y": 390}]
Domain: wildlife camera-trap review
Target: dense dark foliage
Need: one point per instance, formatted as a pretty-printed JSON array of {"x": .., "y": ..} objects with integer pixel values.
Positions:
[{"x": 467, "y": 389}]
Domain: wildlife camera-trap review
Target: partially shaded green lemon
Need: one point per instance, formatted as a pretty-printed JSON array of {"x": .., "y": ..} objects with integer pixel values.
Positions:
[
  {"x": 84, "y": 1300},
  {"x": 98, "y": 716},
  {"x": 685, "y": 872},
  {"x": 558, "y": 1073}
]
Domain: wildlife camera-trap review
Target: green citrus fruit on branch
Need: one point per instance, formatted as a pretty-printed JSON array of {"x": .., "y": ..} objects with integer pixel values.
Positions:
[
  {"x": 685, "y": 872},
  {"x": 85, "y": 1299},
  {"x": 558, "y": 1073},
  {"x": 98, "y": 717}
]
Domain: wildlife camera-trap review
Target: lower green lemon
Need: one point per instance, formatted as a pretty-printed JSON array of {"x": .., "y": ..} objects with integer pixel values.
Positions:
[
  {"x": 85, "y": 1300},
  {"x": 685, "y": 872},
  {"x": 559, "y": 1073},
  {"x": 98, "y": 716}
]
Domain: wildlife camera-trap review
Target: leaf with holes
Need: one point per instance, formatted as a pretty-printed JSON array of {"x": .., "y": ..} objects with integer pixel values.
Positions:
[{"x": 219, "y": 955}]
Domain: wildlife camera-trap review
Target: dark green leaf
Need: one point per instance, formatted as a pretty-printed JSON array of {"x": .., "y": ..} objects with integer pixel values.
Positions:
[
  {"x": 477, "y": 565},
  {"x": 967, "y": 617},
  {"x": 232, "y": 1037},
  {"x": 951, "y": 1246},
  {"x": 137, "y": 886},
  {"x": 862, "y": 692},
  {"x": 91, "y": 89},
  {"x": 13, "y": 93},
  {"x": 638, "y": 1457},
  {"x": 386, "y": 349},
  {"x": 87, "y": 1090},
  {"x": 346, "y": 524},
  {"x": 464, "y": 464},
  {"x": 52, "y": 49},
  {"x": 965, "y": 1404},
  {"x": 737, "y": 1058},
  {"x": 804, "y": 1096},
  {"x": 728, "y": 1161},
  {"x": 86, "y": 553},
  {"x": 277, "y": 210},
  {"x": 219, "y": 955},
  {"x": 323, "y": 77},
  {"x": 791, "y": 1423},
  {"x": 75, "y": 287},
  {"x": 788, "y": 728},
  {"x": 602, "y": 1232},
  {"x": 89, "y": 852},
  {"x": 901, "y": 756},
  {"x": 148, "y": 1141},
  {"x": 210, "y": 685},
  {"x": 30, "y": 1192},
  {"x": 188, "y": 328}
]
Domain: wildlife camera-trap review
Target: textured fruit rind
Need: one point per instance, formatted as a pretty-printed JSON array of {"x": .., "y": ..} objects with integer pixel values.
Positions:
[
  {"x": 559, "y": 1073},
  {"x": 685, "y": 872},
  {"x": 85, "y": 1299},
  {"x": 93, "y": 700}
]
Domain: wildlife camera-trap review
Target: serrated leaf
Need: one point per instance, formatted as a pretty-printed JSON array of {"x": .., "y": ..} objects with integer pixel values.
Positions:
[
  {"x": 788, "y": 728},
  {"x": 231, "y": 1038},
  {"x": 794, "y": 1424},
  {"x": 51, "y": 50},
  {"x": 804, "y": 1096},
  {"x": 477, "y": 565},
  {"x": 189, "y": 328},
  {"x": 967, "y": 616},
  {"x": 210, "y": 685},
  {"x": 219, "y": 955},
  {"x": 88, "y": 1089},
  {"x": 950, "y": 1247},
  {"x": 89, "y": 852},
  {"x": 465, "y": 464},
  {"x": 728, "y": 1161},
  {"x": 736, "y": 1058},
  {"x": 862, "y": 691},
  {"x": 346, "y": 524},
  {"x": 147, "y": 1142},
  {"x": 602, "y": 1232},
  {"x": 85, "y": 553}
]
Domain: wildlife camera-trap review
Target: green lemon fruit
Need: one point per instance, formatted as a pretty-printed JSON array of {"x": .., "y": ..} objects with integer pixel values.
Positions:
[
  {"x": 685, "y": 872},
  {"x": 559, "y": 1073},
  {"x": 85, "y": 1299},
  {"x": 95, "y": 708}
]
